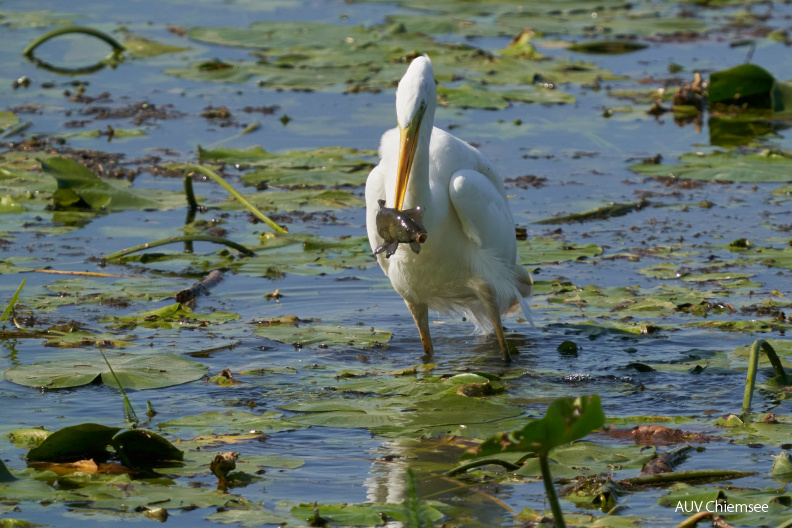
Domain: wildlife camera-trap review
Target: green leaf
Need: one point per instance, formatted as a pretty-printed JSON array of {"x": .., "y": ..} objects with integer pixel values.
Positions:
[
  {"x": 78, "y": 442},
  {"x": 600, "y": 213},
  {"x": 142, "y": 47},
  {"x": 5, "y": 475},
  {"x": 566, "y": 420},
  {"x": 81, "y": 188},
  {"x": 135, "y": 372},
  {"x": 231, "y": 421},
  {"x": 782, "y": 466},
  {"x": 765, "y": 167},
  {"x": 466, "y": 96},
  {"x": 752, "y": 86},
  {"x": 7, "y": 120},
  {"x": 251, "y": 517},
  {"x": 585, "y": 458},
  {"x": 549, "y": 250},
  {"x": 325, "y": 335},
  {"x": 28, "y": 438},
  {"x": 322, "y": 167},
  {"x": 168, "y": 317},
  {"x": 607, "y": 47},
  {"x": 140, "y": 447}
]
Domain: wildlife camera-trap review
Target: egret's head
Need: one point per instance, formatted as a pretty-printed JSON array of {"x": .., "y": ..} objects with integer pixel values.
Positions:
[
  {"x": 416, "y": 98},
  {"x": 417, "y": 87}
]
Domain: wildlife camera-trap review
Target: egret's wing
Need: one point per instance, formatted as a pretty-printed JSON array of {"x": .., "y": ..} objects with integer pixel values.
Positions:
[
  {"x": 375, "y": 190},
  {"x": 484, "y": 212}
]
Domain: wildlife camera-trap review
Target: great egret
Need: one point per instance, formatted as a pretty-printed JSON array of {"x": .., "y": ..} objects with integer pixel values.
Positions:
[{"x": 468, "y": 262}]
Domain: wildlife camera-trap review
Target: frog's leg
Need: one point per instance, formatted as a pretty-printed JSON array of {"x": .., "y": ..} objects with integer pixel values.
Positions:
[{"x": 392, "y": 247}]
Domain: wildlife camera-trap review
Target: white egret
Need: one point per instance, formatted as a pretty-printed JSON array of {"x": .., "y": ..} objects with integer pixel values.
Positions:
[{"x": 468, "y": 262}]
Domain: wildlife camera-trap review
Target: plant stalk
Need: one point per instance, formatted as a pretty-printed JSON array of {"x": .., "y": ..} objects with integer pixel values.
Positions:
[
  {"x": 233, "y": 192},
  {"x": 117, "y": 48},
  {"x": 547, "y": 478},
  {"x": 750, "y": 380}
]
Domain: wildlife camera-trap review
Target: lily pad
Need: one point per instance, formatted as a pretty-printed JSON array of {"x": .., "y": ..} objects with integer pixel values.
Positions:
[
  {"x": 231, "y": 422},
  {"x": 324, "y": 167},
  {"x": 586, "y": 458},
  {"x": 171, "y": 316},
  {"x": 79, "y": 187},
  {"x": 141, "y": 47},
  {"x": 7, "y": 120},
  {"x": 549, "y": 250},
  {"x": 324, "y": 336},
  {"x": 600, "y": 213},
  {"x": 77, "y": 442},
  {"x": 135, "y": 372},
  {"x": 749, "y": 85},
  {"x": 28, "y": 438},
  {"x": 768, "y": 166}
]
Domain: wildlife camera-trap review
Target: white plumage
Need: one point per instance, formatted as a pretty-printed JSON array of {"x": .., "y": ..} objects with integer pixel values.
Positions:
[{"x": 469, "y": 260}]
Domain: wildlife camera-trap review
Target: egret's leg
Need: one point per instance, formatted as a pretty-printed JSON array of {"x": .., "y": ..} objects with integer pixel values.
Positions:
[
  {"x": 488, "y": 298},
  {"x": 420, "y": 313}
]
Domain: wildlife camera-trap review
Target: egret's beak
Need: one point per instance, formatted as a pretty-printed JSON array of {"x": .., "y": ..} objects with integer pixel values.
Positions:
[{"x": 407, "y": 144}]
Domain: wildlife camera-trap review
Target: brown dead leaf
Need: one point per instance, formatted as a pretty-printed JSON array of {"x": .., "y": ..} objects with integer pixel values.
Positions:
[
  {"x": 82, "y": 466},
  {"x": 660, "y": 435}
]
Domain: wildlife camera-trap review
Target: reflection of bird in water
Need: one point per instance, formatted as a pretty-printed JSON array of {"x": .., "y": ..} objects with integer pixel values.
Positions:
[{"x": 468, "y": 262}]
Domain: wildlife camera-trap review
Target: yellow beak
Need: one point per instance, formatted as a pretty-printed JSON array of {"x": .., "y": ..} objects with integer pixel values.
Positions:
[{"x": 407, "y": 143}]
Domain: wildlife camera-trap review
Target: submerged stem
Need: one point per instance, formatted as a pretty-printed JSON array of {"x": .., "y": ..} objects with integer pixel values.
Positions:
[
  {"x": 484, "y": 462},
  {"x": 173, "y": 240},
  {"x": 547, "y": 478}
]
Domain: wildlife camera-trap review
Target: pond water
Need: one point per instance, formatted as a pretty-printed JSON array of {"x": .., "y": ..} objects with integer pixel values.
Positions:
[{"x": 661, "y": 293}]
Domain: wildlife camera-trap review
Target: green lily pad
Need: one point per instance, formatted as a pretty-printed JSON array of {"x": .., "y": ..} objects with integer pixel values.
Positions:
[
  {"x": 586, "y": 458},
  {"x": 231, "y": 422},
  {"x": 81, "y": 188},
  {"x": 28, "y": 438},
  {"x": 549, "y": 250},
  {"x": 249, "y": 517},
  {"x": 135, "y": 372},
  {"x": 145, "y": 448},
  {"x": 83, "y": 338},
  {"x": 7, "y": 120},
  {"x": 362, "y": 514},
  {"x": 607, "y": 47},
  {"x": 324, "y": 167},
  {"x": 307, "y": 201},
  {"x": 765, "y": 167},
  {"x": 78, "y": 442},
  {"x": 782, "y": 466},
  {"x": 600, "y": 213},
  {"x": 5, "y": 475},
  {"x": 17, "y": 523},
  {"x": 749, "y": 85},
  {"x": 36, "y": 19},
  {"x": 466, "y": 96},
  {"x": 142, "y": 47},
  {"x": 324, "y": 336},
  {"x": 306, "y": 255},
  {"x": 171, "y": 316}
]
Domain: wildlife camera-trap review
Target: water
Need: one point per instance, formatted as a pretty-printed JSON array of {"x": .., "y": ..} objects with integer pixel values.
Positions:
[{"x": 584, "y": 159}]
